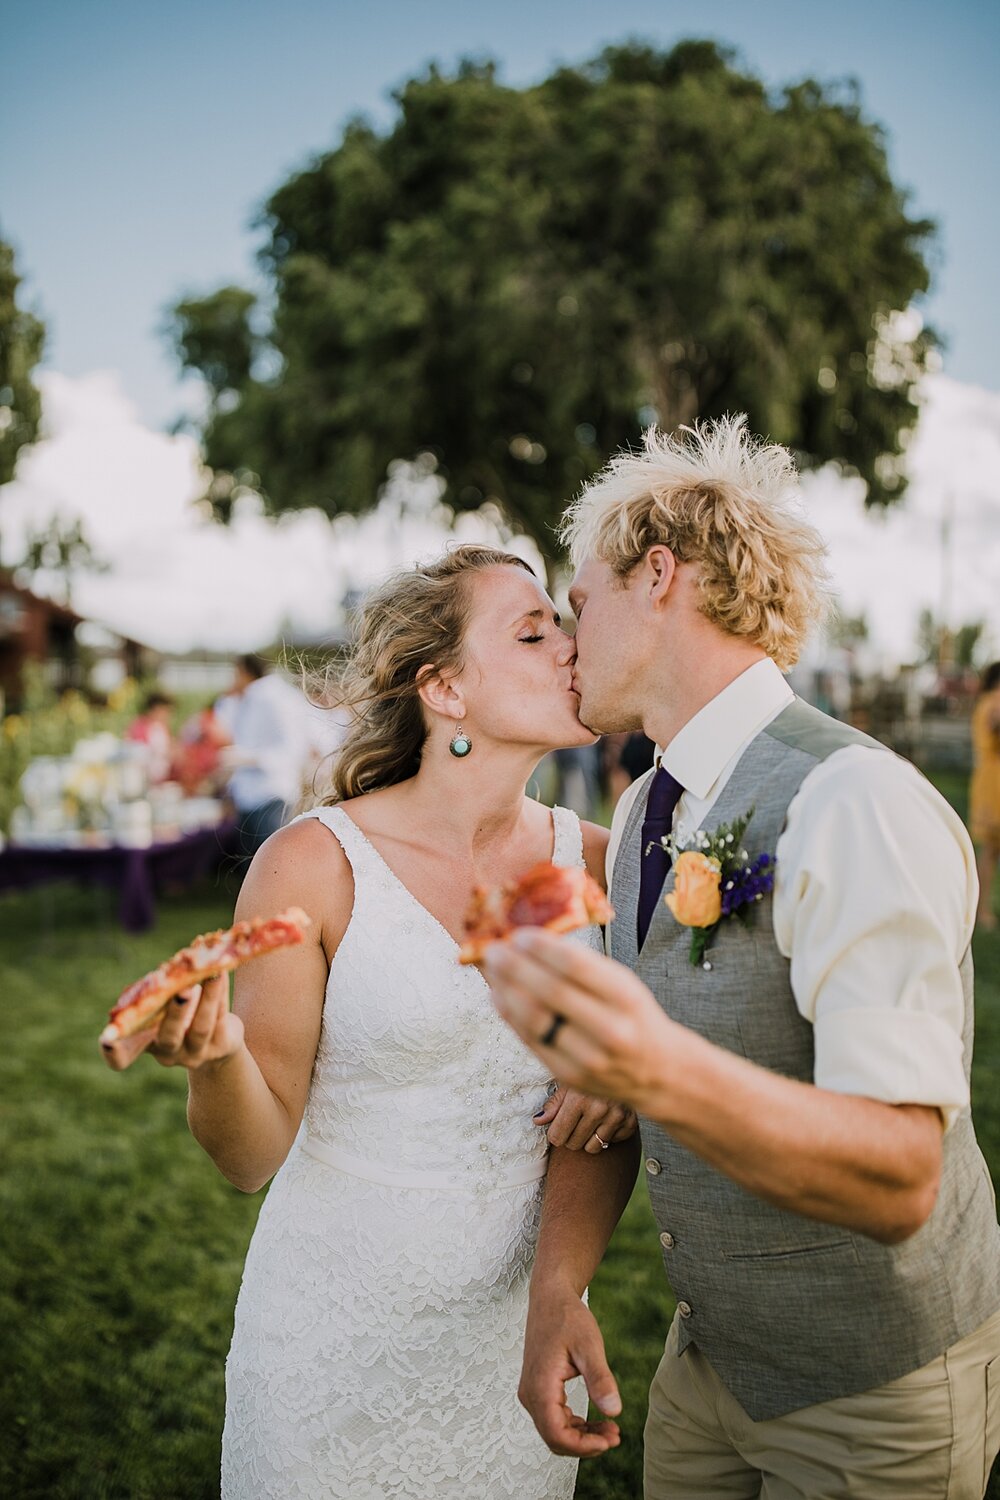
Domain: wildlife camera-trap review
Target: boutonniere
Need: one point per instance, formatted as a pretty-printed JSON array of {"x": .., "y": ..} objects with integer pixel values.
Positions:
[{"x": 715, "y": 878}]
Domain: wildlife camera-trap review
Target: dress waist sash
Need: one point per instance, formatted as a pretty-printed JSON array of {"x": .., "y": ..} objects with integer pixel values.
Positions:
[{"x": 453, "y": 1182}]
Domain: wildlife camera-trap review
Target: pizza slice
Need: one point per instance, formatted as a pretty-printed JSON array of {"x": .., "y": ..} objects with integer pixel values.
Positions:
[
  {"x": 555, "y": 897},
  {"x": 213, "y": 953}
]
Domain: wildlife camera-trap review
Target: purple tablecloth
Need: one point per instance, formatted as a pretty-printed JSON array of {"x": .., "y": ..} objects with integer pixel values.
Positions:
[{"x": 137, "y": 874}]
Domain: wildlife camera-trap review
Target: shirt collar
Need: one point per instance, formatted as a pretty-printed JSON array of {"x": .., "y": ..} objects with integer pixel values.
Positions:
[{"x": 699, "y": 753}]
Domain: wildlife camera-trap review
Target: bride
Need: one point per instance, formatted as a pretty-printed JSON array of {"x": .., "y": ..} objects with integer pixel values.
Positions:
[{"x": 380, "y": 1322}]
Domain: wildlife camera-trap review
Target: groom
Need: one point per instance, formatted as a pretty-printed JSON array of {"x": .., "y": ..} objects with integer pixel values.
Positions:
[{"x": 826, "y": 1218}]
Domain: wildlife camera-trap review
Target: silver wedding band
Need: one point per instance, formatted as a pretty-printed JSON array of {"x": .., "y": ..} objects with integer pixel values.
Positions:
[
  {"x": 553, "y": 1031},
  {"x": 604, "y": 1144}
]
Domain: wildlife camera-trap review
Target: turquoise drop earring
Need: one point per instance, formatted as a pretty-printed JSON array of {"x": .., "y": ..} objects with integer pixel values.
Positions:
[{"x": 460, "y": 745}]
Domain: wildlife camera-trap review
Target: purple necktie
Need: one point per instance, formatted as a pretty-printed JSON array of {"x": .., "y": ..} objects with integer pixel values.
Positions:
[{"x": 664, "y": 794}]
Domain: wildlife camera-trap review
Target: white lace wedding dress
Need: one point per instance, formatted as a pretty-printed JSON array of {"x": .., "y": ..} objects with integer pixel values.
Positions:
[{"x": 377, "y": 1346}]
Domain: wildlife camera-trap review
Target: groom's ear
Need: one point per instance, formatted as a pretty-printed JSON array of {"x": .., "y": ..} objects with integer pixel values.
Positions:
[
  {"x": 661, "y": 569},
  {"x": 439, "y": 692}
]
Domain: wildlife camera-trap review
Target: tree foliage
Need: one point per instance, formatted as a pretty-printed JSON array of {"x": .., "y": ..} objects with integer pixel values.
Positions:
[
  {"x": 22, "y": 338},
  {"x": 519, "y": 280},
  {"x": 62, "y": 550},
  {"x": 213, "y": 336}
]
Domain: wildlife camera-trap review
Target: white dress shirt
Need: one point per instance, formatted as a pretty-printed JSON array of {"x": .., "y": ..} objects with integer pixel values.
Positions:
[
  {"x": 874, "y": 898},
  {"x": 266, "y": 723}
]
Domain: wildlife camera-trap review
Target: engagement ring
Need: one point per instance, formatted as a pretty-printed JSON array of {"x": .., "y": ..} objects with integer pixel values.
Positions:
[{"x": 604, "y": 1144}]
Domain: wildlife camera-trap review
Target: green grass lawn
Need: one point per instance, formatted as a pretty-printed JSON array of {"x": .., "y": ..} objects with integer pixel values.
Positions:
[{"x": 122, "y": 1246}]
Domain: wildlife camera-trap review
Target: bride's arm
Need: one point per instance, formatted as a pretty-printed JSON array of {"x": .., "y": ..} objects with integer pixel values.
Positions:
[
  {"x": 595, "y": 847},
  {"x": 249, "y": 1069}
]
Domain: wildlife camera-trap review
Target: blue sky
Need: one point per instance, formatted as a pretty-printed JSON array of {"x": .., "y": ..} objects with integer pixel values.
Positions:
[{"x": 140, "y": 140}]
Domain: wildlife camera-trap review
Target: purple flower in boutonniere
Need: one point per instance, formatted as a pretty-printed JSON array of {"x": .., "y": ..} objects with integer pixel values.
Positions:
[{"x": 715, "y": 878}]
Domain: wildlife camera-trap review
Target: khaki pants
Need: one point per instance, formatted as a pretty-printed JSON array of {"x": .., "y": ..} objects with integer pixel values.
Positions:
[{"x": 931, "y": 1435}]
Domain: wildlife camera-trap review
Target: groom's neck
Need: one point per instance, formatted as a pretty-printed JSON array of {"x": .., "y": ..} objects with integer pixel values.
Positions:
[{"x": 690, "y": 681}]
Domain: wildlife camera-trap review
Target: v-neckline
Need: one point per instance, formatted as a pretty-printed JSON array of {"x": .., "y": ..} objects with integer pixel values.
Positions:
[{"x": 435, "y": 921}]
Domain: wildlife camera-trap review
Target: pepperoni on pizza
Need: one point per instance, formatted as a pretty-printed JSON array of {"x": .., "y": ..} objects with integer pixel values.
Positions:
[{"x": 555, "y": 897}]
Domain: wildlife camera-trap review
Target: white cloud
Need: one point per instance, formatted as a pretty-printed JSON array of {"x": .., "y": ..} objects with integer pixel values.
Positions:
[
  {"x": 178, "y": 581},
  {"x": 890, "y": 565}
]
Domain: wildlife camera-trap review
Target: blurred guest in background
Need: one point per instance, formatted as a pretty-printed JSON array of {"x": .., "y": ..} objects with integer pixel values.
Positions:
[
  {"x": 626, "y": 758},
  {"x": 264, "y": 721},
  {"x": 614, "y": 778},
  {"x": 637, "y": 755},
  {"x": 152, "y": 729},
  {"x": 578, "y": 782},
  {"x": 984, "y": 790},
  {"x": 198, "y": 754},
  {"x": 327, "y": 723}
]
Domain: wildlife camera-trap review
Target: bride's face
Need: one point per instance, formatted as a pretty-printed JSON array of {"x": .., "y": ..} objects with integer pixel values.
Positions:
[{"x": 517, "y": 680}]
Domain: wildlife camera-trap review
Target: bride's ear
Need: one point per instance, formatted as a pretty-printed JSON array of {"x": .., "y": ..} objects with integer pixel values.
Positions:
[{"x": 439, "y": 692}]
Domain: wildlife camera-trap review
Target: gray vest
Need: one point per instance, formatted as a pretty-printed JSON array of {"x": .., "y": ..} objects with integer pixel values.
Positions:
[{"x": 790, "y": 1311}]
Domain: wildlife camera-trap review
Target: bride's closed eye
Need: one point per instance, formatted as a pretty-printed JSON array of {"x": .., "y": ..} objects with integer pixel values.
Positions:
[{"x": 530, "y": 639}]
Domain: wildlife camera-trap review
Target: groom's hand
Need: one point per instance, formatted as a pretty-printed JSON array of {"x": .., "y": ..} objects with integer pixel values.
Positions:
[
  {"x": 592, "y": 1022},
  {"x": 562, "y": 1341}
]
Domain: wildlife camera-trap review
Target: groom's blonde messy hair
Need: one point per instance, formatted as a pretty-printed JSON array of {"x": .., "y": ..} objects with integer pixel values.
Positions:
[{"x": 723, "y": 500}]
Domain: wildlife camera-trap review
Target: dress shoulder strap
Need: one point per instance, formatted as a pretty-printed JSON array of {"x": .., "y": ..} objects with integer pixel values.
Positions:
[
  {"x": 568, "y": 841},
  {"x": 346, "y": 832}
]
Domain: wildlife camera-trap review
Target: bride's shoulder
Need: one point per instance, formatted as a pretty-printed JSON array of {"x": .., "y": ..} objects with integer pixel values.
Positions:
[
  {"x": 595, "y": 848},
  {"x": 308, "y": 828},
  {"x": 303, "y": 865},
  {"x": 303, "y": 855}
]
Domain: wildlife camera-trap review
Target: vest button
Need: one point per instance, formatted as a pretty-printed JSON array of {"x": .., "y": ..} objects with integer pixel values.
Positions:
[
  {"x": 684, "y": 1308},
  {"x": 667, "y": 1240},
  {"x": 653, "y": 1166}
]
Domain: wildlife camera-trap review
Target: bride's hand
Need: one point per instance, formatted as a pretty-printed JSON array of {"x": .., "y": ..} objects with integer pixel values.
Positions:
[
  {"x": 579, "y": 1121},
  {"x": 196, "y": 1028}
]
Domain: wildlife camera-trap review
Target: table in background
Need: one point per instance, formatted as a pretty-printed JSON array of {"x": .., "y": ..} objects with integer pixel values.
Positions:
[{"x": 138, "y": 875}]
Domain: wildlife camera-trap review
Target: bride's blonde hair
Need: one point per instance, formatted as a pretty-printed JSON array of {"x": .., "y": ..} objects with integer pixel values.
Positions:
[{"x": 416, "y": 618}]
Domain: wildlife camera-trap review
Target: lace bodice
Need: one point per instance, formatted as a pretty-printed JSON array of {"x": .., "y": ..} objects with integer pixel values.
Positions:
[
  {"x": 379, "y": 1328},
  {"x": 417, "y": 1069}
]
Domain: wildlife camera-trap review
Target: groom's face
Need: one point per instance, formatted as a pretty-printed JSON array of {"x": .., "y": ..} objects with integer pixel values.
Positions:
[{"x": 608, "y": 639}]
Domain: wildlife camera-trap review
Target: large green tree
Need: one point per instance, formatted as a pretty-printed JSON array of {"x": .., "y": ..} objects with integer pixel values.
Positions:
[
  {"x": 519, "y": 280},
  {"x": 22, "y": 338}
]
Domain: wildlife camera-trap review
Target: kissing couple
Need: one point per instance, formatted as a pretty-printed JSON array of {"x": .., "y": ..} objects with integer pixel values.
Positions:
[{"x": 785, "y": 1006}]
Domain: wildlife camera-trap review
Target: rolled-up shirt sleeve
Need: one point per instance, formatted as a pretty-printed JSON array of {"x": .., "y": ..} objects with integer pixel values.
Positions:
[{"x": 874, "y": 905}]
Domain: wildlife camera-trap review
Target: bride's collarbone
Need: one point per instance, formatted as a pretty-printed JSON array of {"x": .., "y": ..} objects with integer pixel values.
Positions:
[
  {"x": 442, "y": 880},
  {"x": 450, "y": 870},
  {"x": 429, "y": 857}
]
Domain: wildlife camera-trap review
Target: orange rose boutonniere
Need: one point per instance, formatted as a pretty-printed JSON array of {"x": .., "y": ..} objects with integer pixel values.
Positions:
[
  {"x": 696, "y": 899},
  {"x": 716, "y": 879}
]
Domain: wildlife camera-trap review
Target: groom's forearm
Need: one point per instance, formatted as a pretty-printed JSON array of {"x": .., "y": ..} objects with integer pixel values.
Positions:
[
  {"x": 585, "y": 1197},
  {"x": 835, "y": 1157},
  {"x": 840, "y": 1158}
]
